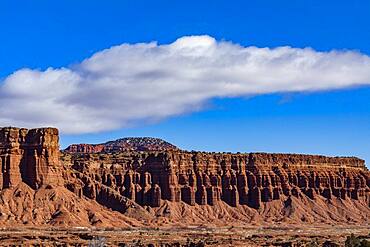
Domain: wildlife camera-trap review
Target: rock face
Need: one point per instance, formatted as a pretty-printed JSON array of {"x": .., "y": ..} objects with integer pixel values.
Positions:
[
  {"x": 34, "y": 185},
  {"x": 236, "y": 179},
  {"x": 38, "y": 185},
  {"x": 29, "y": 156},
  {"x": 85, "y": 148},
  {"x": 124, "y": 144}
]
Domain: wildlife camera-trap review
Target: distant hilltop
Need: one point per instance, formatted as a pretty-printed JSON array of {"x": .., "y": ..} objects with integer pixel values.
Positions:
[{"x": 123, "y": 144}]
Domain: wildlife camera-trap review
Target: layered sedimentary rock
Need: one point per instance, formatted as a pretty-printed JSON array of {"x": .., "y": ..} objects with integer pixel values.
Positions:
[
  {"x": 29, "y": 156},
  {"x": 237, "y": 179},
  {"x": 85, "y": 148},
  {"x": 38, "y": 184}
]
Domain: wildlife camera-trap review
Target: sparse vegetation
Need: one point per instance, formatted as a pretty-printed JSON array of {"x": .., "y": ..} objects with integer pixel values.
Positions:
[
  {"x": 313, "y": 243},
  {"x": 330, "y": 244},
  {"x": 353, "y": 241}
]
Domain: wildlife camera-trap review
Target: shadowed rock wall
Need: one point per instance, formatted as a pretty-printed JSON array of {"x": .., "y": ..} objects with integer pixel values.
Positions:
[
  {"x": 30, "y": 156},
  {"x": 237, "y": 179}
]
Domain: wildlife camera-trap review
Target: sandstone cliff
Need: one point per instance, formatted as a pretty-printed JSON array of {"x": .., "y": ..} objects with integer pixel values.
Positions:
[
  {"x": 236, "y": 179},
  {"x": 164, "y": 187},
  {"x": 31, "y": 156},
  {"x": 33, "y": 184}
]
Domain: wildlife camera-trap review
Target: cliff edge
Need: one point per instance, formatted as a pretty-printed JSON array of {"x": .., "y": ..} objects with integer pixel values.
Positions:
[{"x": 137, "y": 187}]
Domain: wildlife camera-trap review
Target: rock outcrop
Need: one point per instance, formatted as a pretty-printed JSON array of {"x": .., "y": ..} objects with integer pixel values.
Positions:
[
  {"x": 85, "y": 148},
  {"x": 29, "y": 156},
  {"x": 236, "y": 179},
  {"x": 35, "y": 186},
  {"x": 40, "y": 185}
]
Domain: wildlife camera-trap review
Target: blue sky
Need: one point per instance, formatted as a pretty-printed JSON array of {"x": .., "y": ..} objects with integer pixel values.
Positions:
[{"x": 42, "y": 34}]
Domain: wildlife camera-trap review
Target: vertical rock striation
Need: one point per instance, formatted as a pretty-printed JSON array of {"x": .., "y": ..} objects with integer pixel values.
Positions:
[
  {"x": 237, "y": 179},
  {"x": 29, "y": 156},
  {"x": 147, "y": 184}
]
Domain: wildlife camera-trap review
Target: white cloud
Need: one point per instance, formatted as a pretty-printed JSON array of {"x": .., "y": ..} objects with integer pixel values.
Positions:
[{"x": 139, "y": 82}]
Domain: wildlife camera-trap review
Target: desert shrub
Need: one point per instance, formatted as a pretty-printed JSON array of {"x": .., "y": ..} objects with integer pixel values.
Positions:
[
  {"x": 97, "y": 242},
  {"x": 313, "y": 244},
  {"x": 353, "y": 241},
  {"x": 329, "y": 244},
  {"x": 365, "y": 243}
]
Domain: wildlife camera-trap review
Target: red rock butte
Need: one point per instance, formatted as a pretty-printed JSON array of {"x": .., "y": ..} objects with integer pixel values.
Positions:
[
  {"x": 31, "y": 156},
  {"x": 172, "y": 186}
]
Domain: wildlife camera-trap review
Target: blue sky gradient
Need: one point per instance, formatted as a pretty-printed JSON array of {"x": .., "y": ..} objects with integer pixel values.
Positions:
[{"x": 40, "y": 34}]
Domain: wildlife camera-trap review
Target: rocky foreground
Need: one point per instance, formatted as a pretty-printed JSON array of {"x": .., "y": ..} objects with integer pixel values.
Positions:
[{"x": 41, "y": 186}]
